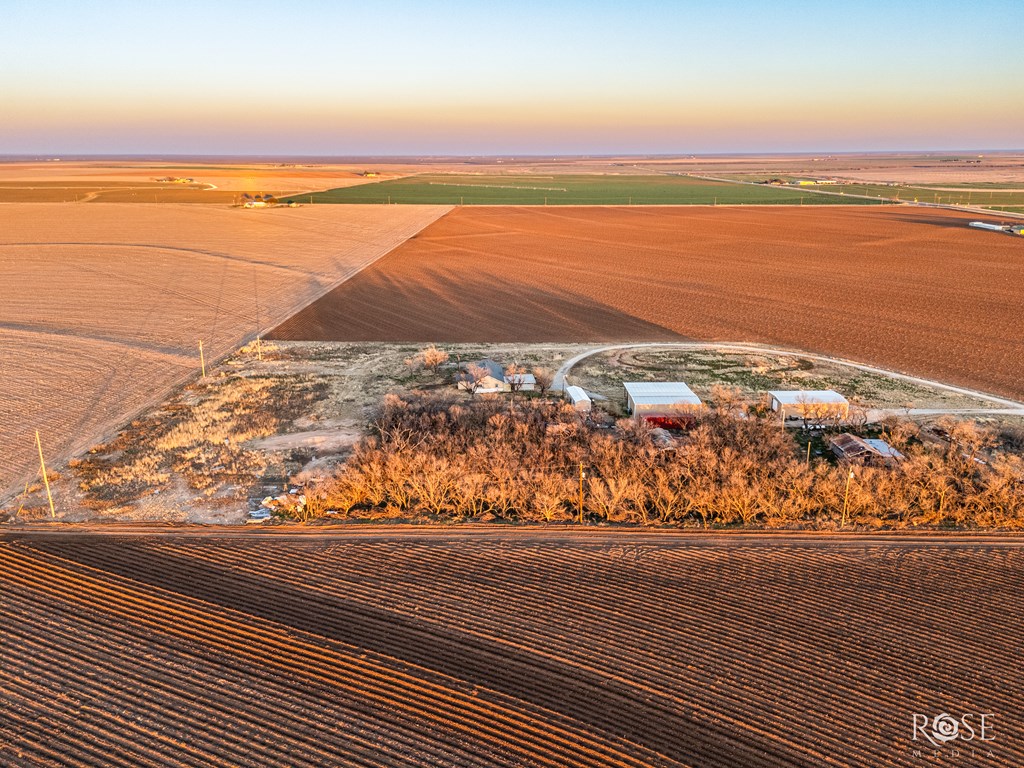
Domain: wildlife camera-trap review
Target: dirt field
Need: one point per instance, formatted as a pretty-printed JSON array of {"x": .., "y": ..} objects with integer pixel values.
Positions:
[
  {"x": 907, "y": 290},
  {"x": 504, "y": 648},
  {"x": 110, "y": 181},
  {"x": 917, "y": 168},
  {"x": 103, "y": 306}
]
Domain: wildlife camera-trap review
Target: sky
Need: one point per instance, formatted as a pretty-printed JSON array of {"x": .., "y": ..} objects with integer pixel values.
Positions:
[{"x": 296, "y": 77}]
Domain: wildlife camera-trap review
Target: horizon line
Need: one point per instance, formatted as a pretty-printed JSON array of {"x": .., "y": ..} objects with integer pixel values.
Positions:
[{"x": 59, "y": 156}]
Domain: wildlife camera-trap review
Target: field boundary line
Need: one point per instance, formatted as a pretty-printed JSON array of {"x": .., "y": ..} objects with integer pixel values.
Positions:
[{"x": 560, "y": 533}]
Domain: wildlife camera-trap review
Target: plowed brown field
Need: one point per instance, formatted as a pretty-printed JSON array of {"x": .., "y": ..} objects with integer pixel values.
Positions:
[
  {"x": 102, "y": 307},
  {"x": 903, "y": 288},
  {"x": 514, "y": 648}
]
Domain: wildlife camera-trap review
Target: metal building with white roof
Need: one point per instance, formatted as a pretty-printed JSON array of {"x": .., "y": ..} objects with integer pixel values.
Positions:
[
  {"x": 579, "y": 398},
  {"x": 809, "y": 404},
  {"x": 660, "y": 398}
]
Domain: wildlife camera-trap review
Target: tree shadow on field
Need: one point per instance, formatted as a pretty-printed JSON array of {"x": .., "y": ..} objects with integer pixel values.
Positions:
[{"x": 441, "y": 306}]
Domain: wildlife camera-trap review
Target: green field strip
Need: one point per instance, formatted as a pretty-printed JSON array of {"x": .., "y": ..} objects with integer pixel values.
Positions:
[{"x": 450, "y": 189}]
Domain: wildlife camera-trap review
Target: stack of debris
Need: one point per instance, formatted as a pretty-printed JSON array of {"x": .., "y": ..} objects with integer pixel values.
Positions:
[{"x": 292, "y": 503}]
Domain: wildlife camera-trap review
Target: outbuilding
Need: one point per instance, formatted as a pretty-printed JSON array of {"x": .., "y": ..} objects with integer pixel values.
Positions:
[
  {"x": 809, "y": 405},
  {"x": 863, "y": 450},
  {"x": 488, "y": 376},
  {"x": 520, "y": 382},
  {"x": 650, "y": 399},
  {"x": 578, "y": 398}
]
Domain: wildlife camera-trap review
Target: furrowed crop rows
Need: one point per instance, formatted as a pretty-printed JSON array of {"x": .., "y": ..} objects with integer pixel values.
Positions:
[
  {"x": 905, "y": 289},
  {"x": 533, "y": 651}
]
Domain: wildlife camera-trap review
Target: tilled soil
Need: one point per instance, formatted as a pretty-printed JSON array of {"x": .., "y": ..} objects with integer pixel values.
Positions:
[
  {"x": 491, "y": 648},
  {"x": 907, "y": 289},
  {"x": 104, "y": 306}
]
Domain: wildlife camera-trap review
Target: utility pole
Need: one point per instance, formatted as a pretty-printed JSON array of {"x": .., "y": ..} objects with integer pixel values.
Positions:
[
  {"x": 46, "y": 480},
  {"x": 256, "y": 298},
  {"x": 808, "y": 452},
  {"x": 202, "y": 360},
  {"x": 581, "y": 492},
  {"x": 846, "y": 498}
]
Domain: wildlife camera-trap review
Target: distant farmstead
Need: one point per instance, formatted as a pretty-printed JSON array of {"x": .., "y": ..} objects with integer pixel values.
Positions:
[{"x": 258, "y": 201}]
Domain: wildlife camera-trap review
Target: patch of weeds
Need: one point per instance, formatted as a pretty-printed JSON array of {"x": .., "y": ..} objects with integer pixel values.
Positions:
[{"x": 198, "y": 438}]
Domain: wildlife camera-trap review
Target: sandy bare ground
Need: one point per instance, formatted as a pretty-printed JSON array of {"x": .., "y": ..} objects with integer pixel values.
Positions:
[
  {"x": 384, "y": 647},
  {"x": 103, "y": 306}
]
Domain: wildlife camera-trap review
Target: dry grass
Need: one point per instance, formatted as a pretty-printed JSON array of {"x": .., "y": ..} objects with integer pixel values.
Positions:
[
  {"x": 198, "y": 439},
  {"x": 103, "y": 306}
]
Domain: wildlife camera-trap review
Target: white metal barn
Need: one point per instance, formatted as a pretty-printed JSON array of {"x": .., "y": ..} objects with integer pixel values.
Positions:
[
  {"x": 578, "y": 398},
  {"x": 660, "y": 398},
  {"x": 810, "y": 404}
]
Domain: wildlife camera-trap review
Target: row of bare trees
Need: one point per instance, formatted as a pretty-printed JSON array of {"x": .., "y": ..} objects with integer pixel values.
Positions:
[{"x": 439, "y": 456}]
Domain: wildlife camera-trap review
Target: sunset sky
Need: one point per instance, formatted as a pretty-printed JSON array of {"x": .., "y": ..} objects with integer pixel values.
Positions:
[{"x": 345, "y": 78}]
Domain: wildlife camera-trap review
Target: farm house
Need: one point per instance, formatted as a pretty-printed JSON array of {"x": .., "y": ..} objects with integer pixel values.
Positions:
[
  {"x": 495, "y": 378},
  {"x": 578, "y": 398},
  {"x": 660, "y": 399},
  {"x": 809, "y": 405}
]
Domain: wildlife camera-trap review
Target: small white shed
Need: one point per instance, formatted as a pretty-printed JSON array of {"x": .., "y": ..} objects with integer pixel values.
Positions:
[{"x": 578, "y": 398}]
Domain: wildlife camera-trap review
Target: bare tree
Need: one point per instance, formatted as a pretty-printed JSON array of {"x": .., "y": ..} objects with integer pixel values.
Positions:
[
  {"x": 515, "y": 377},
  {"x": 433, "y": 358},
  {"x": 472, "y": 378},
  {"x": 857, "y": 416},
  {"x": 899, "y": 433},
  {"x": 434, "y": 453},
  {"x": 817, "y": 414},
  {"x": 544, "y": 377},
  {"x": 726, "y": 400}
]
